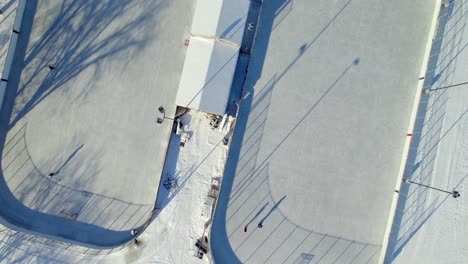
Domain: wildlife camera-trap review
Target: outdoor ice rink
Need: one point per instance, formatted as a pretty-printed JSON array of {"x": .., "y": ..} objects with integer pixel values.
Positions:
[
  {"x": 321, "y": 130},
  {"x": 91, "y": 120}
]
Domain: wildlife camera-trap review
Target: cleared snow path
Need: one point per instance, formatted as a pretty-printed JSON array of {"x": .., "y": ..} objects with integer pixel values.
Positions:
[{"x": 186, "y": 209}]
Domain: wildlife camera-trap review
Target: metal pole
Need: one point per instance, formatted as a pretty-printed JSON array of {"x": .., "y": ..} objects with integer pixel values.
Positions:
[
  {"x": 445, "y": 87},
  {"x": 170, "y": 118},
  {"x": 455, "y": 194},
  {"x": 161, "y": 110}
]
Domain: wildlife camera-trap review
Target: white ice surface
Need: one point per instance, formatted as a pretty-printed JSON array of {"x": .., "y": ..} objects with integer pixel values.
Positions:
[
  {"x": 322, "y": 125},
  {"x": 91, "y": 120}
]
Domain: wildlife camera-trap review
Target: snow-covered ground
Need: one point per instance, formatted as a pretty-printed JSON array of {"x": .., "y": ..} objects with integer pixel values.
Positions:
[
  {"x": 431, "y": 226},
  {"x": 185, "y": 208}
]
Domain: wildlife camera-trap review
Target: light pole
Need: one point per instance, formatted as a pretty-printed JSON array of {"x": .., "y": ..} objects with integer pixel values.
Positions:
[
  {"x": 135, "y": 232},
  {"x": 444, "y": 87},
  {"x": 161, "y": 110},
  {"x": 455, "y": 194}
]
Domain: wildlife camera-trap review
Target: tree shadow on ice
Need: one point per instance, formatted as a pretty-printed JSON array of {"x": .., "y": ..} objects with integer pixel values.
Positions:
[
  {"x": 241, "y": 164},
  {"x": 82, "y": 36}
]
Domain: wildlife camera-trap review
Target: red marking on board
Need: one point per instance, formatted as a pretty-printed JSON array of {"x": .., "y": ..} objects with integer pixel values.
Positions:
[
  {"x": 409, "y": 134},
  {"x": 186, "y": 42}
]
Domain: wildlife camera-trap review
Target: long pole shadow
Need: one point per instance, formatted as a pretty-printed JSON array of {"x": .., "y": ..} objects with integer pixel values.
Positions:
[
  {"x": 311, "y": 109},
  {"x": 66, "y": 161},
  {"x": 260, "y": 224},
  {"x": 264, "y": 198},
  {"x": 255, "y": 216}
]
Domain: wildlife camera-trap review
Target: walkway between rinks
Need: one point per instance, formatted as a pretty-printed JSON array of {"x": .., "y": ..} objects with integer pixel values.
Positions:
[{"x": 184, "y": 203}]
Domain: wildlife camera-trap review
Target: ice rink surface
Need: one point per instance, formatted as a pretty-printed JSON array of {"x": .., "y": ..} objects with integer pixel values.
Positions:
[
  {"x": 320, "y": 133},
  {"x": 82, "y": 104}
]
